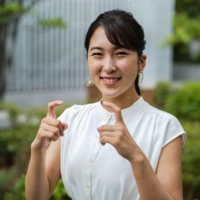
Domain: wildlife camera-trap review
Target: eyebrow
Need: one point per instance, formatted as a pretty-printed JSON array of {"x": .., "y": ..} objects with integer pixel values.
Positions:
[
  {"x": 97, "y": 48},
  {"x": 114, "y": 48}
]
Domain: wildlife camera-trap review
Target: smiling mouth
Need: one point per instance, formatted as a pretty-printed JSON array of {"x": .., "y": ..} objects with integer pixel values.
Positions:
[{"x": 110, "y": 80}]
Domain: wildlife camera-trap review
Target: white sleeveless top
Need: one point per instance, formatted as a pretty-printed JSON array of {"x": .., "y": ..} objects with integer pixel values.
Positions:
[{"x": 91, "y": 171}]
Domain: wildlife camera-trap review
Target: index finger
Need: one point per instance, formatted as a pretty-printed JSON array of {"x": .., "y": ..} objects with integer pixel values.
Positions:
[
  {"x": 116, "y": 110},
  {"x": 51, "y": 108}
]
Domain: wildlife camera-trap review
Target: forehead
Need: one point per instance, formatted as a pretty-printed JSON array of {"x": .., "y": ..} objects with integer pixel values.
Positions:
[
  {"x": 105, "y": 39},
  {"x": 99, "y": 39}
]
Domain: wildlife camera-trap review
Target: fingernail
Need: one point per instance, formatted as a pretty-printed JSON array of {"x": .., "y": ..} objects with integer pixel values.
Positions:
[{"x": 60, "y": 101}]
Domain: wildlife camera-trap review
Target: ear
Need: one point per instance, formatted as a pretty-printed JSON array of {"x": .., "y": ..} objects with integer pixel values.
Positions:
[{"x": 142, "y": 62}]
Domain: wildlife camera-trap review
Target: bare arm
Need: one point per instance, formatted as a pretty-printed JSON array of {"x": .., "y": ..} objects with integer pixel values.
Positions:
[
  {"x": 166, "y": 183},
  {"x": 44, "y": 168}
]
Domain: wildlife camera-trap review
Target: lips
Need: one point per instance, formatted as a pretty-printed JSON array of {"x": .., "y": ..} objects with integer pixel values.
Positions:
[{"x": 110, "y": 80}]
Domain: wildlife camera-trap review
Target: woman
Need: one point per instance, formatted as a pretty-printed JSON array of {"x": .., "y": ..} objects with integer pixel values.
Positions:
[{"x": 120, "y": 148}]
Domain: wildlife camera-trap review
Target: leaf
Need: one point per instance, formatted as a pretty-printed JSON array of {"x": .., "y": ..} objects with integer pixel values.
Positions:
[{"x": 53, "y": 23}]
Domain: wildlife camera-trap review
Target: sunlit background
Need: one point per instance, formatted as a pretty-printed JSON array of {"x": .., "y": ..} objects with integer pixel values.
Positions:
[{"x": 42, "y": 58}]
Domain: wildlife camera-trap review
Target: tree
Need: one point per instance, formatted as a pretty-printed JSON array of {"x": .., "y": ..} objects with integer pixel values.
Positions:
[
  {"x": 11, "y": 12},
  {"x": 186, "y": 24}
]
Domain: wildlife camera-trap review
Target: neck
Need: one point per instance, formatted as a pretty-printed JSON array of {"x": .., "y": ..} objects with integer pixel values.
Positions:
[{"x": 121, "y": 102}]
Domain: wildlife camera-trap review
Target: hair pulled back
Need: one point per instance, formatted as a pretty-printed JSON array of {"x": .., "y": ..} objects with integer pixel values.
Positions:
[{"x": 121, "y": 28}]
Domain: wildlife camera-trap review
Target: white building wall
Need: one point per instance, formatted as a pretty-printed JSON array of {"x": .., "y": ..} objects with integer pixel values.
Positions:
[{"x": 55, "y": 59}]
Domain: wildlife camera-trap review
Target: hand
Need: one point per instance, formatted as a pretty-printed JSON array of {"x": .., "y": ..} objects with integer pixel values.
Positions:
[
  {"x": 118, "y": 134},
  {"x": 50, "y": 128}
]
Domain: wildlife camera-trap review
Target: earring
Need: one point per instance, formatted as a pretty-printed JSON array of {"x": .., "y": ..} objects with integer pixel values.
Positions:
[
  {"x": 89, "y": 83},
  {"x": 140, "y": 77}
]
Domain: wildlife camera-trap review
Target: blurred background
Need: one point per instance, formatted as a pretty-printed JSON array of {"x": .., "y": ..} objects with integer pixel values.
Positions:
[{"x": 42, "y": 58}]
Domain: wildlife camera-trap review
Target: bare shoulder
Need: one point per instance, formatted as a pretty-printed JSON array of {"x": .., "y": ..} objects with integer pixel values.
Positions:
[
  {"x": 53, "y": 164},
  {"x": 169, "y": 169}
]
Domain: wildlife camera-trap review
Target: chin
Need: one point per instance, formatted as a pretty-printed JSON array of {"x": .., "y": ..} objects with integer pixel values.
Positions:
[{"x": 110, "y": 95}]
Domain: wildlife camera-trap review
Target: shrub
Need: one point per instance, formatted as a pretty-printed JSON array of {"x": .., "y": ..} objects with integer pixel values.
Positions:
[
  {"x": 161, "y": 93},
  {"x": 60, "y": 192},
  {"x": 191, "y": 158},
  {"x": 184, "y": 102},
  {"x": 17, "y": 192},
  {"x": 15, "y": 141}
]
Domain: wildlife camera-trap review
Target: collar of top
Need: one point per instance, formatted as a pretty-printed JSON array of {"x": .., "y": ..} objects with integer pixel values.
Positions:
[{"x": 125, "y": 111}]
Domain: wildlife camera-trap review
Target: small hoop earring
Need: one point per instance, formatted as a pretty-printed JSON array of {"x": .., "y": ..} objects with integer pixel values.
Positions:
[
  {"x": 140, "y": 77},
  {"x": 89, "y": 83}
]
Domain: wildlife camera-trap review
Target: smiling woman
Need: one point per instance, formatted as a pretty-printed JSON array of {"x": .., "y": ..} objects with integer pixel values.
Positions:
[
  {"x": 120, "y": 148},
  {"x": 114, "y": 69}
]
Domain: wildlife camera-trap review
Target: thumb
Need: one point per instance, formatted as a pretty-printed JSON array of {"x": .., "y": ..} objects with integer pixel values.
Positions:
[
  {"x": 51, "y": 108},
  {"x": 64, "y": 126}
]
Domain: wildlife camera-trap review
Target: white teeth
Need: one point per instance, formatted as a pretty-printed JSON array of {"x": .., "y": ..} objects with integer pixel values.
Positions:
[{"x": 110, "y": 80}]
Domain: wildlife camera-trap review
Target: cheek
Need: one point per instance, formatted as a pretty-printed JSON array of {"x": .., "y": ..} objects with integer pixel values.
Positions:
[
  {"x": 94, "y": 66},
  {"x": 128, "y": 66}
]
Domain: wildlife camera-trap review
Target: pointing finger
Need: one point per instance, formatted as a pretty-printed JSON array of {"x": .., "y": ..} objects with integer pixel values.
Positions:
[
  {"x": 51, "y": 108},
  {"x": 116, "y": 110}
]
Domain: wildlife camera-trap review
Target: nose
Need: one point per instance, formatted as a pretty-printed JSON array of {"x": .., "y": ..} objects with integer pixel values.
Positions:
[{"x": 109, "y": 65}]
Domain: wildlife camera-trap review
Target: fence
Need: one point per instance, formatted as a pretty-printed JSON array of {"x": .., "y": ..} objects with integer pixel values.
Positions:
[{"x": 55, "y": 59}]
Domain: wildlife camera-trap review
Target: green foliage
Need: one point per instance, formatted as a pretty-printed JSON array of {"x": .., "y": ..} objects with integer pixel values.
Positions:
[
  {"x": 190, "y": 7},
  {"x": 15, "y": 144},
  {"x": 185, "y": 29},
  {"x": 17, "y": 192},
  {"x": 53, "y": 23},
  {"x": 191, "y": 158},
  {"x": 162, "y": 91},
  {"x": 186, "y": 25},
  {"x": 184, "y": 101},
  {"x": 186, "y": 22},
  {"x": 10, "y": 10},
  {"x": 60, "y": 192}
]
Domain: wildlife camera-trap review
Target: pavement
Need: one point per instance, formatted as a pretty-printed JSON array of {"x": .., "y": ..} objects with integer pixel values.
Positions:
[{"x": 42, "y": 98}]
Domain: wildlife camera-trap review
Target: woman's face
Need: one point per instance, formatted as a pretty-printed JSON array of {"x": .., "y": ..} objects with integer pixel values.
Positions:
[{"x": 113, "y": 69}]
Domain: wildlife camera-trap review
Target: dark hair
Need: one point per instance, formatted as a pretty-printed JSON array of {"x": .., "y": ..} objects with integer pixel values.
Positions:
[{"x": 121, "y": 29}]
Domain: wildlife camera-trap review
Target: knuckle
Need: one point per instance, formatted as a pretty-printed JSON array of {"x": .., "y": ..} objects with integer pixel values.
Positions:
[
  {"x": 51, "y": 135},
  {"x": 101, "y": 133},
  {"x": 57, "y": 123},
  {"x": 41, "y": 127},
  {"x": 120, "y": 135},
  {"x": 56, "y": 130},
  {"x": 102, "y": 140},
  {"x": 49, "y": 104},
  {"x": 43, "y": 120},
  {"x": 121, "y": 129},
  {"x": 116, "y": 142}
]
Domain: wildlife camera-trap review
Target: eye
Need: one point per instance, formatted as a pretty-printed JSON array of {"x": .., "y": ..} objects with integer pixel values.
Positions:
[
  {"x": 121, "y": 53},
  {"x": 97, "y": 54}
]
